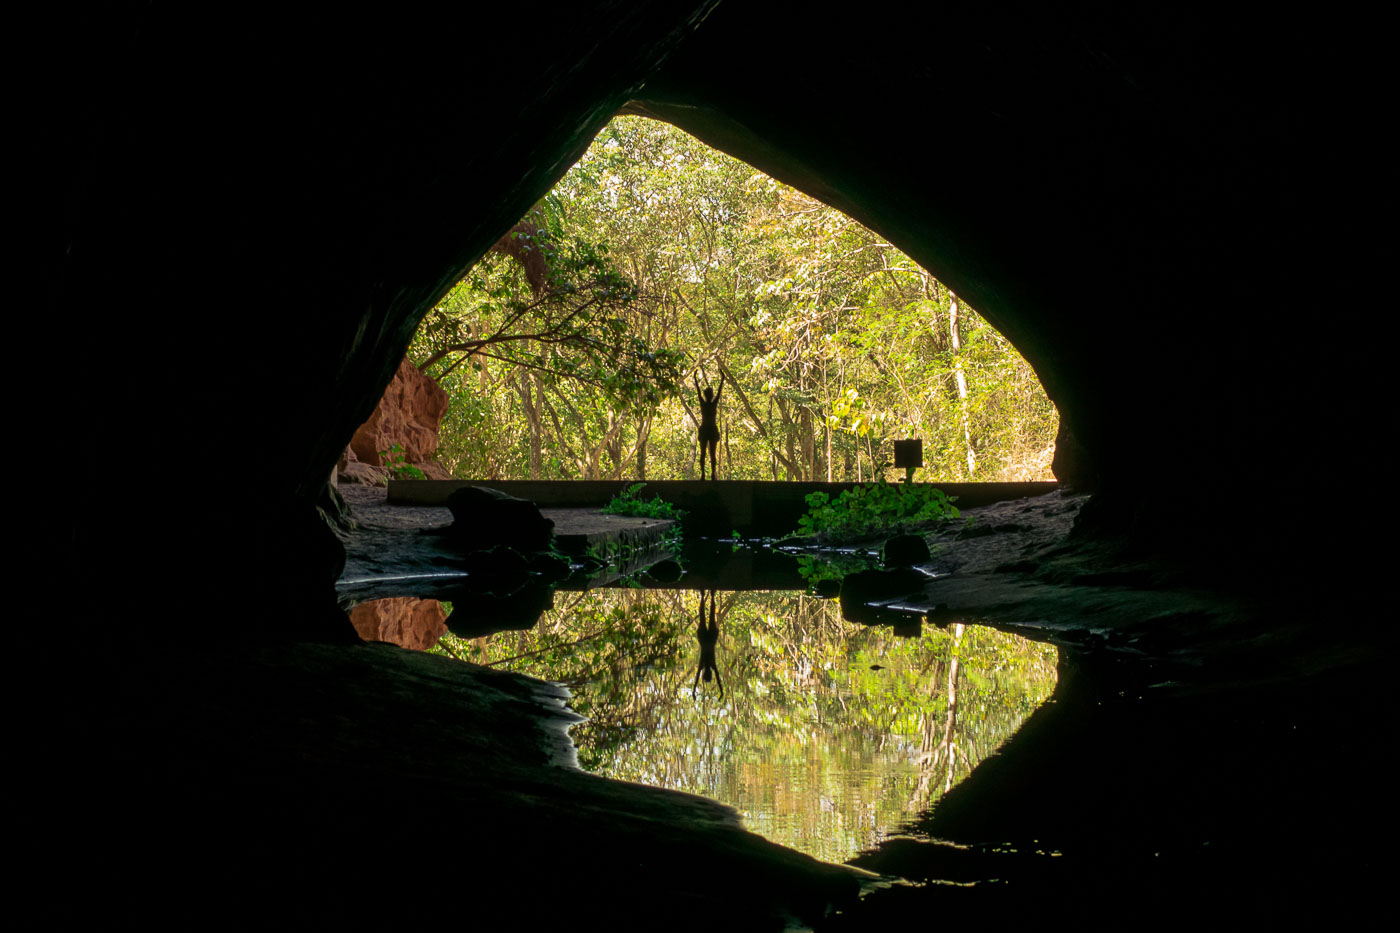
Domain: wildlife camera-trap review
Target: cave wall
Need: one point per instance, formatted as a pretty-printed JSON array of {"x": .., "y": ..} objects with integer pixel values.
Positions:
[
  {"x": 1170, "y": 211},
  {"x": 1146, "y": 200},
  {"x": 245, "y": 218}
]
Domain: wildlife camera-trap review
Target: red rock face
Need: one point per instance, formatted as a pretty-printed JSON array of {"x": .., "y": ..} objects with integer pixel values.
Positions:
[
  {"x": 409, "y": 415},
  {"x": 401, "y": 620}
]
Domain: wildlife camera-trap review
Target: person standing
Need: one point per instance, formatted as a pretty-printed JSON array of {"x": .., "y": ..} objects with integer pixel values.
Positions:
[{"x": 709, "y": 422}]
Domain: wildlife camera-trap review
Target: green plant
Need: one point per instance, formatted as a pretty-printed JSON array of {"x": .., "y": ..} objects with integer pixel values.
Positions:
[
  {"x": 873, "y": 509},
  {"x": 396, "y": 463},
  {"x": 628, "y": 502}
]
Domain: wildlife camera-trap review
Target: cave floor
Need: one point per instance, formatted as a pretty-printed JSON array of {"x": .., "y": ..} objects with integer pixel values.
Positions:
[
  {"x": 390, "y": 541},
  {"x": 1204, "y": 751}
]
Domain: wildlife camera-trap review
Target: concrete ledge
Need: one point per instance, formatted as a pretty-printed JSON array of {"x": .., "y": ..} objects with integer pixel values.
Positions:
[{"x": 577, "y": 530}]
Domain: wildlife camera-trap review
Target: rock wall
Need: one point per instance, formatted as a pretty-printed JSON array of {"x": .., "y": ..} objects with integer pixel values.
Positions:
[{"x": 408, "y": 415}]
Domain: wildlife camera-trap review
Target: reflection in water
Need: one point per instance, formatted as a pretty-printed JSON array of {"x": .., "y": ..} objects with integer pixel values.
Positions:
[
  {"x": 830, "y": 734},
  {"x": 707, "y": 637}
]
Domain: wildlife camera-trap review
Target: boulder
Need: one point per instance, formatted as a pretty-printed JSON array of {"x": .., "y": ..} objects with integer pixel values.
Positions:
[
  {"x": 483, "y": 517},
  {"x": 408, "y": 416},
  {"x": 475, "y": 615},
  {"x": 906, "y": 551}
]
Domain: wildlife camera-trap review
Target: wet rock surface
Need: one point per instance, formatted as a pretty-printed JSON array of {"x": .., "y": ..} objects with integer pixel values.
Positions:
[{"x": 1152, "y": 781}]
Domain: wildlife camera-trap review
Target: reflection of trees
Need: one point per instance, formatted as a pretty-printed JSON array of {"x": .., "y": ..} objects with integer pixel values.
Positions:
[
  {"x": 939, "y": 751},
  {"x": 828, "y": 733}
]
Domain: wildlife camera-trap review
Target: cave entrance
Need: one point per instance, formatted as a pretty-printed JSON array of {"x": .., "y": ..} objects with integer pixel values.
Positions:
[
  {"x": 576, "y": 350},
  {"x": 658, "y": 265}
]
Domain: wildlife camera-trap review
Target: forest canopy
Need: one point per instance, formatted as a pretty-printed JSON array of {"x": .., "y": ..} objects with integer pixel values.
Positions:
[{"x": 570, "y": 350}]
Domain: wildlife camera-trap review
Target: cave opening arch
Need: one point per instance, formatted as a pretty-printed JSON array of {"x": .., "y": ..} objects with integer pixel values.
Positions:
[{"x": 658, "y": 194}]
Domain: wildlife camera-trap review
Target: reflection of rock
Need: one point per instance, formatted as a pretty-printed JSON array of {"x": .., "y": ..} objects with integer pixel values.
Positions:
[
  {"x": 483, "y": 517},
  {"x": 666, "y": 571},
  {"x": 477, "y": 614},
  {"x": 409, "y": 415},
  {"x": 401, "y": 620},
  {"x": 910, "y": 626},
  {"x": 859, "y": 590},
  {"x": 500, "y": 570}
]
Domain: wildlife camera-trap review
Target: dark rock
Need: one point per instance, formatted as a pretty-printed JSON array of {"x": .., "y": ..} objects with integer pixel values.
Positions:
[
  {"x": 499, "y": 570},
  {"x": 485, "y": 516},
  {"x": 941, "y": 617},
  {"x": 477, "y": 614},
  {"x": 878, "y": 585},
  {"x": 906, "y": 551},
  {"x": 911, "y": 626},
  {"x": 859, "y": 590},
  {"x": 551, "y": 568}
]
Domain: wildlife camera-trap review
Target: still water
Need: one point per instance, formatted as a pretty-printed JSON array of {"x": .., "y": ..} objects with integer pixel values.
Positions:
[{"x": 825, "y": 735}]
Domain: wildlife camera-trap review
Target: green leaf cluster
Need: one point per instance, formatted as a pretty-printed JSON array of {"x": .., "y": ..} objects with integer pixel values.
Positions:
[
  {"x": 872, "y": 510},
  {"x": 396, "y": 462},
  {"x": 630, "y": 502}
]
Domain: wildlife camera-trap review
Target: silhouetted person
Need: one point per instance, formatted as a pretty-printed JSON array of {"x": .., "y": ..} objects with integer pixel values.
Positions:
[
  {"x": 708, "y": 637},
  {"x": 709, "y": 422}
]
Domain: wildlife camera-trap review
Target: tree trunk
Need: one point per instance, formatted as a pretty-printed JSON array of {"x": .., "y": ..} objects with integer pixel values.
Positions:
[
  {"x": 961, "y": 380},
  {"x": 532, "y": 415},
  {"x": 643, "y": 435},
  {"x": 809, "y": 442}
]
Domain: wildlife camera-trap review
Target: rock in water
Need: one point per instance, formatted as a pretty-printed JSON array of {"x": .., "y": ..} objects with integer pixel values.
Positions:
[
  {"x": 906, "y": 551},
  {"x": 485, "y": 517}
]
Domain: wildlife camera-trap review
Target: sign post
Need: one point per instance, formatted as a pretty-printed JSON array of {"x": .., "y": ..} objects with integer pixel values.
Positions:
[{"x": 909, "y": 455}]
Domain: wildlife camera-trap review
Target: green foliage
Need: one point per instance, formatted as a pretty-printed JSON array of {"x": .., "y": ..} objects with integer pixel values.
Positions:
[
  {"x": 396, "y": 463},
  {"x": 576, "y": 324},
  {"x": 873, "y": 510},
  {"x": 629, "y": 502},
  {"x": 671, "y": 259}
]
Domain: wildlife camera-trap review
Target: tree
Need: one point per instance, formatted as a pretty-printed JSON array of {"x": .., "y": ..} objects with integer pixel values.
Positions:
[
  {"x": 549, "y": 312},
  {"x": 833, "y": 341}
]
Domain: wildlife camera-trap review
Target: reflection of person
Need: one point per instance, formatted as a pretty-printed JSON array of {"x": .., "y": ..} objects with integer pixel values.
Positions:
[
  {"x": 709, "y": 422},
  {"x": 708, "y": 637}
]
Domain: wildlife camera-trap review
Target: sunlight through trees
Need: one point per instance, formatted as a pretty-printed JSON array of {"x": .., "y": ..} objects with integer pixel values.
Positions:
[{"x": 568, "y": 351}]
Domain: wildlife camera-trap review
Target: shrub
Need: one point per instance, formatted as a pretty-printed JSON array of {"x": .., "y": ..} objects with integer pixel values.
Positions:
[{"x": 873, "y": 510}]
